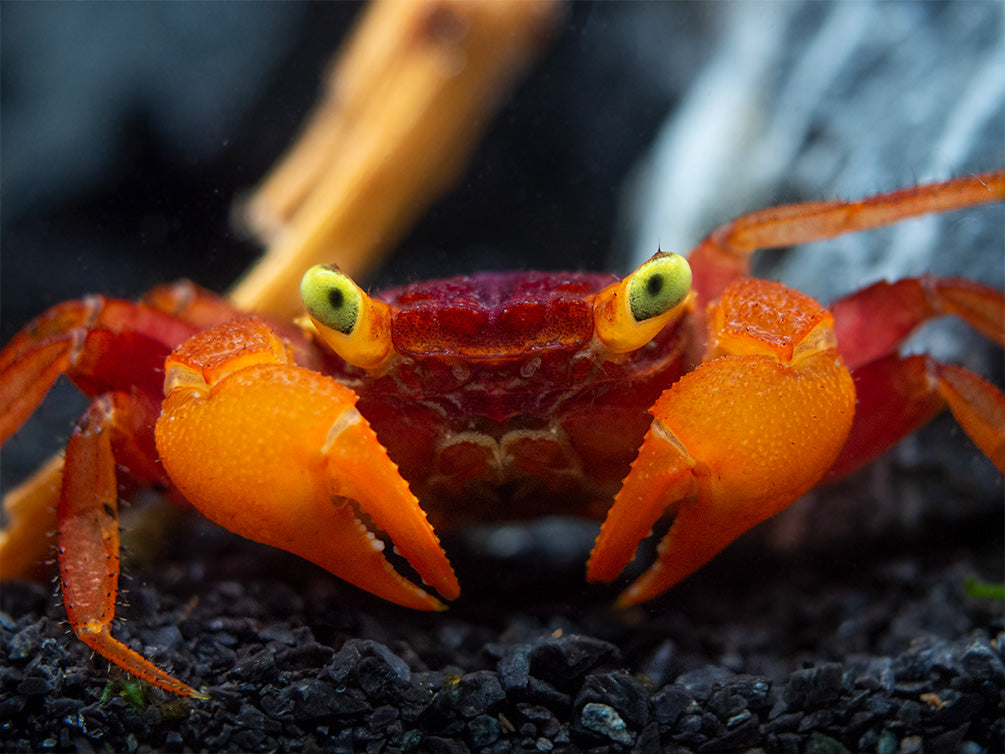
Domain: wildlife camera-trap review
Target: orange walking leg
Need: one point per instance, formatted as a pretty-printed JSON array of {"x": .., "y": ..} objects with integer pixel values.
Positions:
[
  {"x": 89, "y": 546},
  {"x": 897, "y": 395},
  {"x": 82, "y": 339},
  {"x": 724, "y": 255}
]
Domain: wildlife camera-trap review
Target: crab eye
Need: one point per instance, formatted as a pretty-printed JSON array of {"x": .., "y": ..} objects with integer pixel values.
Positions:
[
  {"x": 331, "y": 298},
  {"x": 658, "y": 286},
  {"x": 629, "y": 314},
  {"x": 353, "y": 325}
]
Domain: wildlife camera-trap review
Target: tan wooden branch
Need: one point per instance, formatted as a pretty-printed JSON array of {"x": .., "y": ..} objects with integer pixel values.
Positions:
[{"x": 403, "y": 107}]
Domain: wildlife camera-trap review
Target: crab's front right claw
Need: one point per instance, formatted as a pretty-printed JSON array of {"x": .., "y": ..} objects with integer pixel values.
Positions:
[
  {"x": 279, "y": 454},
  {"x": 733, "y": 442}
]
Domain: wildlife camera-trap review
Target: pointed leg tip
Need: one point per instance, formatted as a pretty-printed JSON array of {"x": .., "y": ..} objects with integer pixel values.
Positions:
[
  {"x": 192, "y": 693},
  {"x": 411, "y": 595},
  {"x": 624, "y": 601},
  {"x": 443, "y": 580},
  {"x": 634, "y": 595},
  {"x": 651, "y": 584}
]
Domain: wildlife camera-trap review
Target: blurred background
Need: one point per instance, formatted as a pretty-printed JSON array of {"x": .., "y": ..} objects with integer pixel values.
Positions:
[{"x": 129, "y": 130}]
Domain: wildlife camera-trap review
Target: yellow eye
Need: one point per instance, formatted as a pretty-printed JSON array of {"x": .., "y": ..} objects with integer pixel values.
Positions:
[
  {"x": 331, "y": 298},
  {"x": 658, "y": 285},
  {"x": 353, "y": 325},
  {"x": 628, "y": 314}
]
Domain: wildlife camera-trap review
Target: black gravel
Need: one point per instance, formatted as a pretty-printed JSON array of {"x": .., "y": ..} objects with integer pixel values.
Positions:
[{"x": 818, "y": 648}]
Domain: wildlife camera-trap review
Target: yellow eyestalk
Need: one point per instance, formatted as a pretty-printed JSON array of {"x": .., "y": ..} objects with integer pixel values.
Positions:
[
  {"x": 355, "y": 326},
  {"x": 630, "y": 313}
]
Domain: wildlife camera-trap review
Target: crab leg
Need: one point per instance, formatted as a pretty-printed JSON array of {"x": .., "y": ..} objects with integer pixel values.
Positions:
[
  {"x": 735, "y": 441},
  {"x": 89, "y": 544},
  {"x": 873, "y": 321},
  {"x": 724, "y": 255},
  {"x": 27, "y": 541},
  {"x": 88, "y": 340},
  {"x": 101, "y": 344},
  {"x": 898, "y": 394},
  {"x": 279, "y": 454}
]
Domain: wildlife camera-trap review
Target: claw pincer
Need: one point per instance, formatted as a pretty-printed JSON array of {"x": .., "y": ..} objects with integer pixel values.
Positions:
[
  {"x": 736, "y": 440},
  {"x": 278, "y": 453}
]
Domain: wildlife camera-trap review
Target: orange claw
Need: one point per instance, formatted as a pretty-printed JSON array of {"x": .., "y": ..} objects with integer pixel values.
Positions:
[
  {"x": 735, "y": 441},
  {"x": 279, "y": 454}
]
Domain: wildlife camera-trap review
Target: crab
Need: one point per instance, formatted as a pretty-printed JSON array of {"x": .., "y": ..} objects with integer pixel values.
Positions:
[{"x": 688, "y": 390}]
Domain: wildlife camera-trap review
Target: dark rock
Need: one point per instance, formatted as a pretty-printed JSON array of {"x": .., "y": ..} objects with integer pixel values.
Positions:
[
  {"x": 277, "y": 704},
  {"x": 909, "y": 713},
  {"x": 661, "y": 666},
  {"x": 754, "y": 691},
  {"x": 872, "y": 672},
  {"x": 478, "y": 692},
  {"x": 34, "y": 686},
  {"x": 565, "y": 660},
  {"x": 956, "y": 709},
  {"x": 701, "y": 681},
  {"x": 539, "y": 692},
  {"x": 946, "y": 743},
  {"x": 313, "y": 699},
  {"x": 982, "y": 663},
  {"x": 250, "y": 717},
  {"x": 173, "y": 741},
  {"x": 256, "y": 668},
  {"x": 439, "y": 745},
  {"x": 785, "y": 722},
  {"x": 605, "y": 721},
  {"x": 821, "y": 744},
  {"x": 514, "y": 667},
  {"x": 726, "y": 703},
  {"x": 304, "y": 656},
  {"x": 739, "y": 737},
  {"x": 648, "y": 741},
  {"x": 620, "y": 691},
  {"x": 483, "y": 730},
  {"x": 669, "y": 703},
  {"x": 247, "y": 740},
  {"x": 817, "y": 720},
  {"x": 689, "y": 730},
  {"x": 813, "y": 686}
]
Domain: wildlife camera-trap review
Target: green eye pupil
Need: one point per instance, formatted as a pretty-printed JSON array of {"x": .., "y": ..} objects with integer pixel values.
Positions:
[
  {"x": 655, "y": 284},
  {"x": 336, "y": 298}
]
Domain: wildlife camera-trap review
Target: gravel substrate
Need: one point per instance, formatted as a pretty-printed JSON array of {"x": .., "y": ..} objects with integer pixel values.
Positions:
[{"x": 811, "y": 649}]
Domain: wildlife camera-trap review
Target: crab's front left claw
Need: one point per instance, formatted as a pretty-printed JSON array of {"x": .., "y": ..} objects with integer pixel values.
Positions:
[
  {"x": 279, "y": 454},
  {"x": 733, "y": 442}
]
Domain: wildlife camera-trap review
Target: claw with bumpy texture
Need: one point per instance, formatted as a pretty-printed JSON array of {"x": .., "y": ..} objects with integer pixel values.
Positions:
[
  {"x": 735, "y": 441},
  {"x": 279, "y": 454}
]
